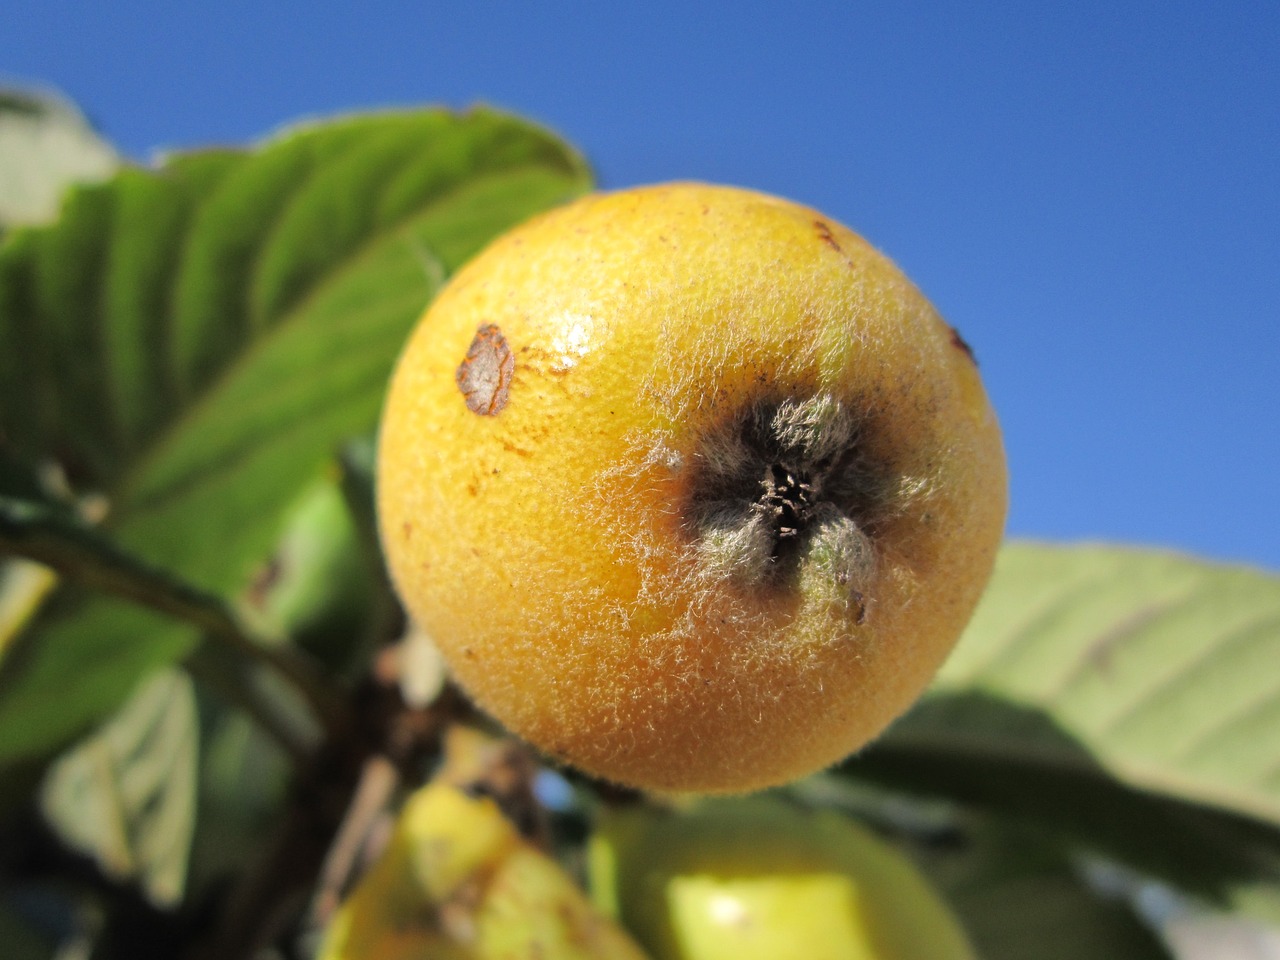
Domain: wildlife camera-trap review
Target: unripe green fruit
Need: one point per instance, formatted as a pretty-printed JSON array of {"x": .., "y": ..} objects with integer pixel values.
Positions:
[{"x": 761, "y": 880}]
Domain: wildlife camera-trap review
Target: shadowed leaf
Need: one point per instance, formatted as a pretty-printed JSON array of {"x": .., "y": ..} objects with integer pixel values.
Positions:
[
  {"x": 197, "y": 342},
  {"x": 1122, "y": 700}
]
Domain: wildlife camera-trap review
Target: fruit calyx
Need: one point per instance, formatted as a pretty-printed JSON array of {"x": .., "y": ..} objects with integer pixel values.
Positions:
[{"x": 788, "y": 488}]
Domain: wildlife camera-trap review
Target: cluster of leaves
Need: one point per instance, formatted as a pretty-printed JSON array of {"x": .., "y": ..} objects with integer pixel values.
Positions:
[{"x": 193, "y": 617}]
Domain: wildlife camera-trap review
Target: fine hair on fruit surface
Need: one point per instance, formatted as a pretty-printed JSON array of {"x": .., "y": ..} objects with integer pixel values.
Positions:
[{"x": 740, "y": 496}]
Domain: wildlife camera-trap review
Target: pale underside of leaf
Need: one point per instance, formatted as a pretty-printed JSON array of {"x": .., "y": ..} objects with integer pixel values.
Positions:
[
  {"x": 126, "y": 796},
  {"x": 45, "y": 145},
  {"x": 1158, "y": 668}
]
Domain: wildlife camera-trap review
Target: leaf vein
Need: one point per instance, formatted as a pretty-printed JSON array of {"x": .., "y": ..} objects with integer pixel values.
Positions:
[
  {"x": 1033, "y": 623},
  {"x": 298, "y": 310},
  {"x": 1242, "y": 638}
]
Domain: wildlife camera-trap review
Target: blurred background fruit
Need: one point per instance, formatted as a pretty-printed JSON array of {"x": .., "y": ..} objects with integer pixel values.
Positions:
[{"x": 759, "y": 879}]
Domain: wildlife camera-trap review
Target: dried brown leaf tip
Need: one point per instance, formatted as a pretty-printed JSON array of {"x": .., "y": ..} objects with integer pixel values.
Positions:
[{"x": 484, "y": 376}]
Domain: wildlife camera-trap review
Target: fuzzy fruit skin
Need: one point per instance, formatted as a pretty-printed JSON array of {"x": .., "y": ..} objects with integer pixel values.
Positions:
[
  {"x": 758, "y": 879},
  {"x": 551, "y": 550}
]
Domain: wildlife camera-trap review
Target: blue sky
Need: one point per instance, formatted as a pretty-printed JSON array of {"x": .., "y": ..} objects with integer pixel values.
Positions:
[{"x": 1090, "y": 192}]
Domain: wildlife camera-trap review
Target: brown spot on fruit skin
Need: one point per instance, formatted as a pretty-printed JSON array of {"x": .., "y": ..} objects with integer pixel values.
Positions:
[
  {"x": 824, "y": 234},
  {"x": 484, "y": 376},
  {"x": 518, "y": 451},
  {"x": 959, "y": 343}
]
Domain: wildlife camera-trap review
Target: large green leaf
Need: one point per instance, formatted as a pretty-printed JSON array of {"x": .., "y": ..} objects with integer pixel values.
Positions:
[
  {"x": 1163, "y": 668},
  {"x": 1020, "y": 899},
  {"x": 1126, "y": 699},
  {"x": 197, "y": 341}
]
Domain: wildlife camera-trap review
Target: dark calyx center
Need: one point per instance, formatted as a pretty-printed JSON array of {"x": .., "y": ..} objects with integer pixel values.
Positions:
[
  {"x": 786, "y": 501},
  {"x": 787, "y": 483}
]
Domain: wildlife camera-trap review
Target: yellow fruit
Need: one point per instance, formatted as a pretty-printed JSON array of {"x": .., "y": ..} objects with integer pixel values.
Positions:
[
  {"x": 760, "y": 880},
  {"x": 457, "y": 882},
  {"x": 693, "y": 489}
]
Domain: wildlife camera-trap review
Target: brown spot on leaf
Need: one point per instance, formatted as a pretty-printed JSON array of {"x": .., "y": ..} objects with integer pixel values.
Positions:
[
  {"x": 484, "y": 376},
  {"x": 264, "y": 580},
  {"x": 959, "y": 343}
]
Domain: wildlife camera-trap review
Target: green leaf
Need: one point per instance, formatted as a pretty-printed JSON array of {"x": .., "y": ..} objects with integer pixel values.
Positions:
[
  {"x": 199, "y": 340},
  {"x": 244, "y": 780},
  {"x": 1163, "y": 668},
  {"x": 1019, "y": 899},
  {"x": 48, "y": 534},
  {"x": 316, "y": 587},
  {"x": 45, "y": 145},
  {"x": 1124, "y": 699},
  {"x": 1223, "y": 858},
  {"x": 126, "y": 796}
]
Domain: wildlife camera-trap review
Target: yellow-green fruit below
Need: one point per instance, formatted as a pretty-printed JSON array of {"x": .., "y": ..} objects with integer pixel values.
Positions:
[
  {"x": 760, "y": 880},
  {"x": 693, "y": 489},
  {"x": 458, "y": 882}
]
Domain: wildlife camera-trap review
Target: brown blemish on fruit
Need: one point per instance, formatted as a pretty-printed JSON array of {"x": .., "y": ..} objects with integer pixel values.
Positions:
[
  {"x": 827, "y": 237},
  {"x": 484, "y": 376},
  {"x": 518, "y": 451},
  {"x": 959, "y": 343},
  {"x": 407, "y": 529},
  {"x": 824, "y": 234},
  {"x": 860, "y": 602}
]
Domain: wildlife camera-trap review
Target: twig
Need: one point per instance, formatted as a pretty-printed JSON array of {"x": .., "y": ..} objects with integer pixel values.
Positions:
[
  {"x": 377, "y": 785},
  {"x": 390, "y": 741},
  {"x": 48, "y": 536}
]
